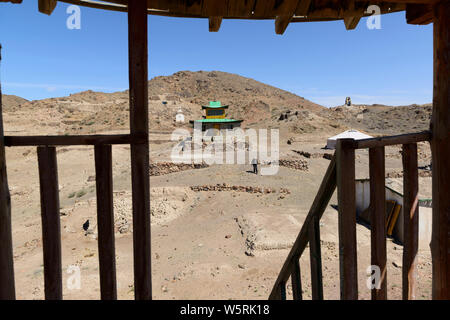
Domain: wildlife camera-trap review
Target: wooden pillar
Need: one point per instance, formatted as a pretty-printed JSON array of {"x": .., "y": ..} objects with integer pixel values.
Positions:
[
  {"x": 51, "y": 229},
  {"x": 347, "y": 218},
  {"x": 140, "y": 180},
  {"x": 378, "y": 219},
  {"x": 7, "y": 290},
  {"x": 410, "y": 220},
  {"x": 440, "y": 147},
  {"x": 105, "y": 222}
]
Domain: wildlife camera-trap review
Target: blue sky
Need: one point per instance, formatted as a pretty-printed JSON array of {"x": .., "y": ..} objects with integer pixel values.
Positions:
[{"x": 319, "y": 61}]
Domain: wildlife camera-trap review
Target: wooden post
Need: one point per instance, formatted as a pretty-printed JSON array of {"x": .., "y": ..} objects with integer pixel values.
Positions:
[
  {"x": 105, "y": 222},
  {"x": 51, "y": 231},
  {"x": 296, "y": 279},
  {"x": 316, "y": 260},
  {"x": 440, "y": 147},
  {"x": 7, "y": 289},
  {"x": 140, "y": 180},
  {"x": 410, "y": 220},
  {"x": 378, "y": 219},
  {"x": 347, "y": 218}
]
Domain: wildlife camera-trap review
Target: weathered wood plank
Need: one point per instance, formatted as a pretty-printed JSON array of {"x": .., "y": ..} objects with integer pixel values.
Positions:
[
  {"x": 7, "y": 287},
  {"x": 296, "y": 279},
  {"x": 419, "y": 13},
  {"x": 440, "y": 147},
  {"x": 22, "y": 141},
  {"x": 319, "y": 205},
  {"x": 345, "y": 163},
  {"x": 316, "y": 260},
  {"x": 105, "y": 222},
  {"x": 378, "y": 219},
  {"x": 410, "y": 220},
  {"x": 140, "y": 182},
  {"x": 393, "y": 140},
  {"x": 51, "y": 230}
]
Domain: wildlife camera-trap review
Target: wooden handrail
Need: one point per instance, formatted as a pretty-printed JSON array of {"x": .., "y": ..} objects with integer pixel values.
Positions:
[
  {"x": 319, "y": 205},
  {"x": 393, "y": 140},
  {"x": 98, "y": 139}
]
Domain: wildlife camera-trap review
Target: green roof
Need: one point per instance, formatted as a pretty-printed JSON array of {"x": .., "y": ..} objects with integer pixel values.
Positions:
[
  {"x": 214, "y": 105},
  {"x": 217, "y": 120}
]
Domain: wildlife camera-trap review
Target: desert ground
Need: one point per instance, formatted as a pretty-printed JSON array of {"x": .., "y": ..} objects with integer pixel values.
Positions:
[{"x": 218, "y": 231}]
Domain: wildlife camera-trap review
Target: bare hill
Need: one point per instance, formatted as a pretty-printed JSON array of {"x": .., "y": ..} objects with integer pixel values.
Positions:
[{"x": 258, "y": 104}]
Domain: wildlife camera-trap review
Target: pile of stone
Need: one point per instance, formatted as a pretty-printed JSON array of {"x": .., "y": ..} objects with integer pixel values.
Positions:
[
  {"x": 294, "y": 164},
  {"x": 162, "y": 168},
  {"x": 248, "y": 189},
  {"x": 315, "y": 155}
]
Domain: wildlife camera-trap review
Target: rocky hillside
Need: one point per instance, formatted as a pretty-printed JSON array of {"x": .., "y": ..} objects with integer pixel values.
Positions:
[
  {"x": 89, "y": 111},
  {"x": 260, "y": 105}
]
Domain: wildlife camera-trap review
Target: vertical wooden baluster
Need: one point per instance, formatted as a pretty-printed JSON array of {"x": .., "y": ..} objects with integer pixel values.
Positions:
[
  {"x": 296, "y": 279},
  {"x": 440, "y": 148},
  {"x": 347, "y": 218},
  {"x": 283, "y": 290},
  {"x": 378, "y": 219},
  {"x": 51, "y": 233},
  {"x": 105, "y": 222},
  {"x": 140, "y": 180},
  {"x": 7, "y": 288},
  {"x": 316, "y": 260},
  {"x": 410, "y": 220}
]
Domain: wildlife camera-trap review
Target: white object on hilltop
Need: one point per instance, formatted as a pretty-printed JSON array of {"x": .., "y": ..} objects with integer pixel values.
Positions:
[
  {"x": 179, "y": 118},
  {"x": 349, "y": 134}
]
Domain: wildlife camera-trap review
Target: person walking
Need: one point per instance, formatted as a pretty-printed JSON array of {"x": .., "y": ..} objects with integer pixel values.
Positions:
[{"x": 255, "y": 165}]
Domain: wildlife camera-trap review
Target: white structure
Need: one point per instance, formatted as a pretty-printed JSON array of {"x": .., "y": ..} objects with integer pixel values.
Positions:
[
  {"x": 425, "y": 212},
  {"x": 179, "y": 118},
  {"x": 349, "y": 134}
]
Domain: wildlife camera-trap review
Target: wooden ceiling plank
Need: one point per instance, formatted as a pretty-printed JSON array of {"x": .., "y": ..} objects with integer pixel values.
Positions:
[
  {"x": 240, "y": 8},
  {"x": 303, "y": 8},
  {"x": 213, "y": 8},
  {"x": 419, "y": 14}
]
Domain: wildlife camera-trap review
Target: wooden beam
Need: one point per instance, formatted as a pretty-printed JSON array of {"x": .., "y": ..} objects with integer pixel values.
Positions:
[
  {"x": 214, "y": 23},
  {"x": 393, "y": 140},
  {"x": 47, "y": 6},
  {"x": 378, "y": 219},
  {"x": 410, "y": 220},
  {"x": 419, "y": 13},
  {"x": 140, "y": 181},
  {"x": 105, "y": 222},
  {"x": 51, "y": 230},
  {"x": 316, "y": 260},
  {"x": 351, "y": 14},
  {"x": 7, "y": 288},
  {"x": 24, "y": 141},
  {"x": 281, "y": 23},
  {"x": 345, "y": 153},
  {"x": 440, "y": 147},
  {"x": 287, "y": 11}
]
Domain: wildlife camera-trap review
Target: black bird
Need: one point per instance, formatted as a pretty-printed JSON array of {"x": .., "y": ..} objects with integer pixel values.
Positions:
[{"x": 86, "y": 225}]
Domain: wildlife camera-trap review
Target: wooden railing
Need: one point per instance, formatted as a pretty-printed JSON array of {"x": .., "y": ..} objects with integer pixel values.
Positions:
[
  {"x": 341, "y": 175},
  {"x": 50, "y": 209}
]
